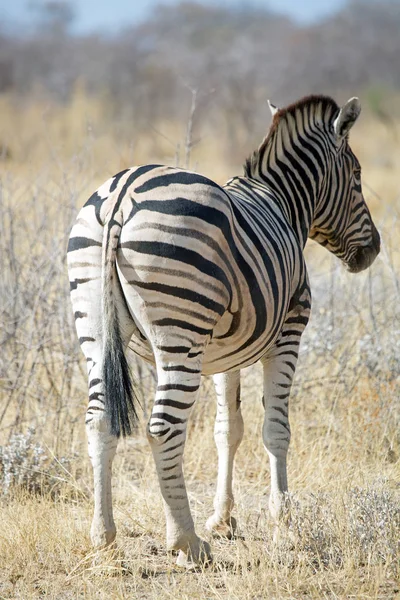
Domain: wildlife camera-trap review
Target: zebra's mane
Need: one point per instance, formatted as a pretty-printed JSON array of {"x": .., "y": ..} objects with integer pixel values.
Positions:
[{"x": 327, "y": 104}]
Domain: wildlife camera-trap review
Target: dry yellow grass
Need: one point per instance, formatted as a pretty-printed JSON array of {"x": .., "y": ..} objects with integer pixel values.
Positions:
[{"x": 344, "y": 467}]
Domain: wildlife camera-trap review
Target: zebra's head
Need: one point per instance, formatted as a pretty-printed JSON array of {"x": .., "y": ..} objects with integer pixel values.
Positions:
[{"x": 342, "y": 222}]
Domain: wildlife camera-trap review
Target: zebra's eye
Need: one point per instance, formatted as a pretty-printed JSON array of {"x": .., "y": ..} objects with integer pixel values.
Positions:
[{"x": 357, "y": 173}]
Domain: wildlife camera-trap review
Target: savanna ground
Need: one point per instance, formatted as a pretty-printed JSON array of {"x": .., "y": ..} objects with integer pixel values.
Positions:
[{"x": 343, "y": 540}]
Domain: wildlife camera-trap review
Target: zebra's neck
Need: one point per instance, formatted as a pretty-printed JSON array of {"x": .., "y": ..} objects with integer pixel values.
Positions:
[{"x": 292, "y": 162}]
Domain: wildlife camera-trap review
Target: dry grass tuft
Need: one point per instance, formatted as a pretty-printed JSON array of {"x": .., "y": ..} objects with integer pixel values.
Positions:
[{"x": 26, "y": 465}]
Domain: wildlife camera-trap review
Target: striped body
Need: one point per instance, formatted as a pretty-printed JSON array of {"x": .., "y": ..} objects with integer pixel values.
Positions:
[
  {"x": 201, "y": 279},
  {"x": 197, "y": 259}
]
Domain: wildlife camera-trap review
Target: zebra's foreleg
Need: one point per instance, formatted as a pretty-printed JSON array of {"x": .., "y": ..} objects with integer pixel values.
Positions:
[
  {"x": 279, "y": 367},
  {"x": 228, "y": 433},
  {"x": 176, "y": 393},
  {"x": 278, "y": 375}
]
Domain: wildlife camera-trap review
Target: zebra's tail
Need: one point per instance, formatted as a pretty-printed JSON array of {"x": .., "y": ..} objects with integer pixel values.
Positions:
[{"x": 118, "y": 386}]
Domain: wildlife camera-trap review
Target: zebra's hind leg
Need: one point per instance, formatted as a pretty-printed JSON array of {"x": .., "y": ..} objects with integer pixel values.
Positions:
[
  {"x": 101, "y": 447},
  {"x": 228, "y": 433},
  {"x": 177, "y": 390},
  {"x": 102, "y": 444}
]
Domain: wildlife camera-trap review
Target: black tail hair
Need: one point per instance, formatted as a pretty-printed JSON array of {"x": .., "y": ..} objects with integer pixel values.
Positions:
[{"x": 118, "y": 386}]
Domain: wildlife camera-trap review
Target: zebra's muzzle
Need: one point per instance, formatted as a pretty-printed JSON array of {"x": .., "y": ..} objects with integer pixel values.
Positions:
[{"x": 365, "y": 255}]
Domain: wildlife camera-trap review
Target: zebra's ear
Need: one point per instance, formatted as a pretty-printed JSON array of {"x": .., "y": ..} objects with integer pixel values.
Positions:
[
  {"x": 274, "y": 109},
  {"x": 348, "y": 115}
]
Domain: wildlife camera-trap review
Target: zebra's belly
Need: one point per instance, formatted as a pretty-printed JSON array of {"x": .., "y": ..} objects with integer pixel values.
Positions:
[{"x": 221, "y": 355}]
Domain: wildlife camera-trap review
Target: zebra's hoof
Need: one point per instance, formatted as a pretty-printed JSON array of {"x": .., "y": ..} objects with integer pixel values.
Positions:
[
  {"x": 195, "y": 557},
  {"x": 221, "y": 528},
  {"x": 101, "y": 536}
]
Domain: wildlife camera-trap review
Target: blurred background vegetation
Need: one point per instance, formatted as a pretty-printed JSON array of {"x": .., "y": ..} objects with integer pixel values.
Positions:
[{"x": 234, "y": 57}]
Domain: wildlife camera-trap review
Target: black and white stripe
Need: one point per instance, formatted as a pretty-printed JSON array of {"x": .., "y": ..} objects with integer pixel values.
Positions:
[{"x": 202, "y": 279}]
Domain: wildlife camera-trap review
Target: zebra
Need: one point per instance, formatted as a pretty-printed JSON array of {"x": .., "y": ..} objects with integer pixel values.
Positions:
[{"x": 200, "y": 279}]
